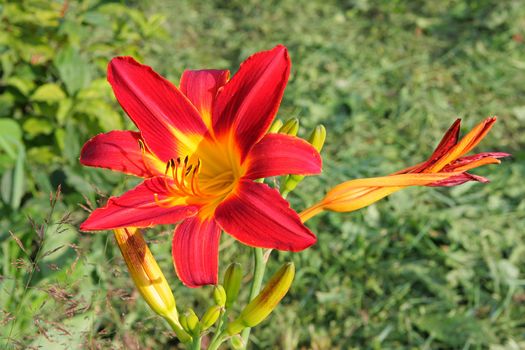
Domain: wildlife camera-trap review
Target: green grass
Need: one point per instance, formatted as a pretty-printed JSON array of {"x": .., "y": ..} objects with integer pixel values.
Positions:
[{"x": 427, "y": 268}]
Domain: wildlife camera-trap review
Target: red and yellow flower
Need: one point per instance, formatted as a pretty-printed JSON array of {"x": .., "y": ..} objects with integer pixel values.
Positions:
[
  {"x": 199, "y": 149},
  {"x": 447, "y": 166}
]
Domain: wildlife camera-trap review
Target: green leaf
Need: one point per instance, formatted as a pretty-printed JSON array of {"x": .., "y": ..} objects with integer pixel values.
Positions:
[
  {"x": 74, "y": 70},
  {"x": 12, "y": 183},
  {"x": 37, "y": 126},
  {"x": 18, "y": 181},
  {"x": 48, "y": 93},
  {"x": 10, "y": 137},
  {"x": 21, "y": 84}
]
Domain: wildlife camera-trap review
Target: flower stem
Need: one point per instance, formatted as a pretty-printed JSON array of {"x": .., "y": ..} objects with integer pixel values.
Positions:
[
  {"x": 196, "y": 343},
  {"x": 258, "y": 274},
  {"x": 216, "y": 340}
]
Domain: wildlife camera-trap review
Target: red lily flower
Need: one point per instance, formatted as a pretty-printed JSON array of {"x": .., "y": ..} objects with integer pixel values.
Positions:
[
  {"x": 447, "y": 166},
  {"x": 200, "y": 148}
]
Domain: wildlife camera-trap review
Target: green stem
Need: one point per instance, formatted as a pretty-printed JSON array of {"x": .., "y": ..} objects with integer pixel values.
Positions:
[
  {"x": 217, "y": 340},
  {"x": 173, "y": 320},
  {"x": 258, "y": 274},
  {"x": 218, "y": 332},
  {"x": 196, "y": 343}
]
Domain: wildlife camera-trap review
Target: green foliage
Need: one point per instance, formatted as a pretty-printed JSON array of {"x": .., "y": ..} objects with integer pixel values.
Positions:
[{"x": 424, "y": 269}]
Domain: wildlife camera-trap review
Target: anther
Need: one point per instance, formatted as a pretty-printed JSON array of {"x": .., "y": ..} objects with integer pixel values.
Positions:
[{"x": 143, "y": 154}]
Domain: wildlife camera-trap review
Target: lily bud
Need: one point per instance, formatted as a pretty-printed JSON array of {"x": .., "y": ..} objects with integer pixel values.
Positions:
[
  {"x": 210, "y": 317},
  {"x": 190, "y": 321},
  {"x": 148, "y": 277},
  {"x": 291, "y": 127},
  {"x": 232, "y": 283},
  {"x": 316, "y": 139},
  {"x": 260, "y": 307},
  {"x": 219, "y": 295},
  {"x": 277, "y": 124},
  {"x": 236, "y": 342}
]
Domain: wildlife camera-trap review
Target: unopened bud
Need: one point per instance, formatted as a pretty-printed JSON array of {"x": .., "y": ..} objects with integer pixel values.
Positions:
[
  {"x": 291, "y": 127},
  {"x": 277, "y": 124},
  {"x": 260, "y": 307},
  {"x": 290, "y": 182},
  {"x": 190, "y": 321},
  {"x": 236, "y": 342},
  {"x": 318, "y": 137},
  {"x": 148, "y": 277},
  {"x": 232, "y": 283},
  {"x": 210, "y": 317},
  {"x": 219, "y": 295}
]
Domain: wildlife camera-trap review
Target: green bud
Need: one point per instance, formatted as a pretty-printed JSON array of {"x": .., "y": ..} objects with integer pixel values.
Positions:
[
  {"x": 318, "y": 137},
  {"x": 291, "y": 127},
  {"x": 184, "y": 322},
  {"x": 219, "y": 295},
  {"x": 210, "y": 317},
  {"x": 190, "y": 322},
  {"x": 277, "y": 124},
  {"x": 236, "y": 342},
  {"x": 264, "y": 303},
  {"x": 290, "y": 182},
  {"x": 232, "y": 283}
]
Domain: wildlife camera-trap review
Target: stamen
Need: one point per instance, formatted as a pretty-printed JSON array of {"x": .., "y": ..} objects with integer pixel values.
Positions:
[
  {"x": 168, "y": 165},
  {"x": 143, "y": 154},
  {"x": 195, "y": 180}
]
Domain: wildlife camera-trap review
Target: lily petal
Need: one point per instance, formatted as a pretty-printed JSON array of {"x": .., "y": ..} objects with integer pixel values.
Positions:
[
  {"x": 167, "y": 120},
  {"x": 467, "y": 143},
  {"x": 279, "y": 154},
  {"x": 258, "y": 216},
  {"x": 120, "y": 151},
  {"x": 476, "y": 160},
  {"x": 448, "y": 141},
  {"x": 195, "y": 250},
  {"x": 247, "y": 104},
  {"x": 458, "y": 180},
  {"x": 139, "y": 208},
  {"x": 201, "y": 86}
]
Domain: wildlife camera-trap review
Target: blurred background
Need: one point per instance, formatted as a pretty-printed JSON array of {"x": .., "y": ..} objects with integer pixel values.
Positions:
[{"x": 427, "y": 268}]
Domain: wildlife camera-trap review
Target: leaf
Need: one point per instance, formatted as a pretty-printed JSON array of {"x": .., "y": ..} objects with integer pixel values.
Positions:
[
  {"x": 49, "y": 92},
  {"x": 73, "y": 69},
  {"x": 18, "y": 181},
  {"x": 21, "y": 84},
  {"x": 12, "y": 183},
  {"x": 37, "y": 126},
  {"x": 10, "y": 137}
]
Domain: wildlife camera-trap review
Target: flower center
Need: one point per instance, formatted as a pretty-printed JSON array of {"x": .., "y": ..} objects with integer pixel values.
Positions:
[{"x": 207, "y": 176}]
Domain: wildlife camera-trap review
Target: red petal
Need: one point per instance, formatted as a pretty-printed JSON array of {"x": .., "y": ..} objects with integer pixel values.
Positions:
[
  {"x": 448, "y": 141},
  {"x": 248, "y": 103},
  {"x": 279, "y": 154},
  {"x": 258, "y": 216},
  {"x": 201, "y": 86},
  {"x": 458, "y": 180},
  {"x": 161, "y": 112},
  {"x": 473, "y": 158},
  {"x": 195, "y": 251},
  {"x": 119, "y": 151},
  {"x": 138, "y": 208}
]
